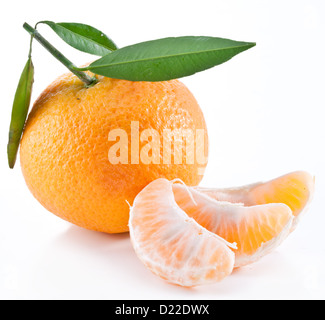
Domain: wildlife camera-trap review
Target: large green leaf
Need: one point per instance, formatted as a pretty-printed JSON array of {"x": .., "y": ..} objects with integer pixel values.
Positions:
[
  {"x": 20, "y": 110},
  {"x": 168, "y": 58},
  {"x": 83, "y": 37}
]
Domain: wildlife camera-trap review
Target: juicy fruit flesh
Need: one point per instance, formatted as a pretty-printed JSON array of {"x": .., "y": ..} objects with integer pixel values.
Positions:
[
  {"x": 257, "y": 229},
  {"x": 295, "y": 189},
  {"x": 172, "y": 245},
  {"x": 171, "y": 225},
  {"x": 64, "y": 150}
]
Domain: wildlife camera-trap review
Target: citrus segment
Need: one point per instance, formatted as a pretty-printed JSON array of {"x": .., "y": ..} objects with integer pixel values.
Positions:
[
  {"x": 257, "y": 230},
  {"x": 173, "y": 245},
  {"x": 295, "y": 189}
]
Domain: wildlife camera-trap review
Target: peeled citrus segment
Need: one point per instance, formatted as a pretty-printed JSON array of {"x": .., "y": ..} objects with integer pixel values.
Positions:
[
  {"x": 173, "y": 245},
  {"x": 257, "y": 230},
  {"x": 294, "y": 189}
]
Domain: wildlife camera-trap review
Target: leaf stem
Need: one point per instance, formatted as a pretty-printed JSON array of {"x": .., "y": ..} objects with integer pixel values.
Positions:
[
  {"x": 89, "y": 81},
  {"x": 30, "y": 47}
]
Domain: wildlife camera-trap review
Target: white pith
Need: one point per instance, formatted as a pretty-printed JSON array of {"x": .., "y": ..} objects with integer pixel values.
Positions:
[
  {"x": 242, "y": 194},
  {"x": 265, "y": 248},
  {"x": 197, "y": 239},
  {"x": 225, "y": 212},
  {"x": 180, "y": 223}
]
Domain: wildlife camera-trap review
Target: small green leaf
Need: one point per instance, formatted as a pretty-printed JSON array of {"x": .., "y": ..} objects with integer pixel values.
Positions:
[
  {"x": 20, "y": 110},
  {"x": 83, "y": 37},
  {"x": 167, "y": 59}
]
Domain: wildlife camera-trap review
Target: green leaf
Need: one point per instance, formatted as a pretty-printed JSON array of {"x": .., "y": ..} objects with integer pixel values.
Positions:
[
  {"x": 20, "y": 110},
  {"x": 83, "y": 37},
  {"x": 167, "y": 59}
]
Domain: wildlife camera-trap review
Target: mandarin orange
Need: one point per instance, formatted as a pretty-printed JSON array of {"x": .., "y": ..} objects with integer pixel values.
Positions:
[{"x": 65, "y": 148}]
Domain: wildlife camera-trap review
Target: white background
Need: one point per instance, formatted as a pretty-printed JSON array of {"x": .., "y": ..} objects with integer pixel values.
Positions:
[{"x": 265, "y": 115}]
